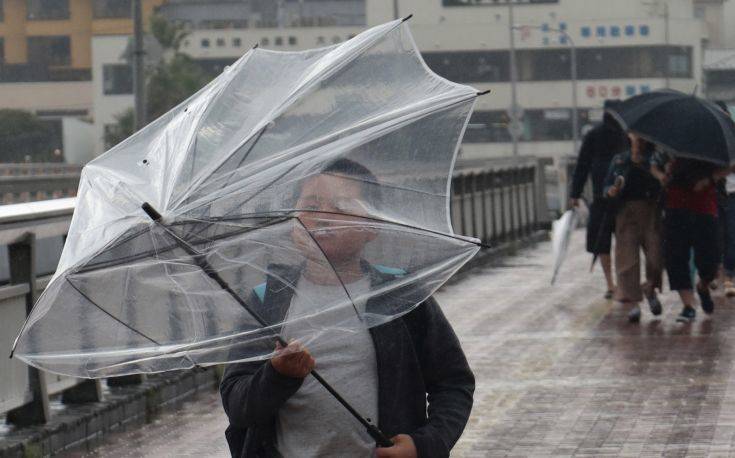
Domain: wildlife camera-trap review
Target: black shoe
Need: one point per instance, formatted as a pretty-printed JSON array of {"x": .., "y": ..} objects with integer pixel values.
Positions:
[
  {"x": 687, "y": 315},
  {"x": 654, "y": 304},
  {"x": 634, "y": 316},
  {"x": 708, "y": 305}
]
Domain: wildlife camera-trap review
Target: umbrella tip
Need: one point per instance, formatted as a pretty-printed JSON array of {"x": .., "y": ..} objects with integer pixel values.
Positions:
[
  {"x": 407, "y": 17},
  {"x": 255, "y": 46},
  {"x": 483, "y": 92},
  {"x": 150, "y": 211},
  {"x": 11, "y": 353}
]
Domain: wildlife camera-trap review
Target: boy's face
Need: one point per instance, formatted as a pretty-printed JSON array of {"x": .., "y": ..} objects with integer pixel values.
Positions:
[{"x": 326, "y": 198}]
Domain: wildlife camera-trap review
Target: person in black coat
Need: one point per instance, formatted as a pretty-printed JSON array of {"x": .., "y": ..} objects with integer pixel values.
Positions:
[
  {"x": 417, "y": 381},
  {"x": 599, "y": 147}
]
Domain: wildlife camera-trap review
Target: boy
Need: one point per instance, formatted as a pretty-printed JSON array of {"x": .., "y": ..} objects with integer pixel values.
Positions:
[{"x": 388, "y": 372}]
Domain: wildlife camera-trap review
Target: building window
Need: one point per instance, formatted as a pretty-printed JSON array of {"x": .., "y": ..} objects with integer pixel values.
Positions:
[
  {"x": 586, "y": 32},
  {"x": 279, "y": 41},
  {"x": 634, "y": 62},
  {"x": 601, "y": 31},
  {"x": 117, "y": 79},
  {"x": 644, "y": 30},
  {"x": 111, "y": 9},
  {"x": 237, "y": 42},
  {"x": 205, "y": 42},
  {"x": 292, "y": 41},
  {"x": 488, "y": 127},
  {"x": 50, "y": 50},
  {"x": 47, "y": 9},
  {"x": 264, "y": 41},
  {"x": 629, "y": 30},
  {"x": 615, "y": 31},
  {"x": 544, "y": 64},
  {"x": 220, "y": 42},
  {"x": 470, "y": 66}
]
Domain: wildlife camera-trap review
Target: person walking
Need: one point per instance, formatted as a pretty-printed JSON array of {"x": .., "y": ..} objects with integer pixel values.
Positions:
[
  {"x": 599, "y": 147},
  {"x": 635, "y": 192},
  {"x": 690, "y": 226}
]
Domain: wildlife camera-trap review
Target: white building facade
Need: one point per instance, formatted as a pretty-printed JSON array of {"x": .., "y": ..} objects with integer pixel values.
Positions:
[{"x": 623, "y": 48}]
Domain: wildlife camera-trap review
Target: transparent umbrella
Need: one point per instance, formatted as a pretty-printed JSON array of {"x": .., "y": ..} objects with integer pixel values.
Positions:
[{"x": 322, "y": 167}]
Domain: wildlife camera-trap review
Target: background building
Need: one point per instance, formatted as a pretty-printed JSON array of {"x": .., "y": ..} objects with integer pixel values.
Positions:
[
  {"x": 623, "y": 48},
  {"x": 46, "y": 61}
]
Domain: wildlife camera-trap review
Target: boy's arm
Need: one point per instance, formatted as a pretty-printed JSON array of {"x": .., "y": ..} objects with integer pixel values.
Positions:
[
  {"x": 253, "y": 392},
  {"x": 449, "y": 385}
]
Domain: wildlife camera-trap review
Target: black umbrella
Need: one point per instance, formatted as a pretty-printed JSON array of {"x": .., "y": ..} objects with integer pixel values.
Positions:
[{"x": 682, "y": 124}]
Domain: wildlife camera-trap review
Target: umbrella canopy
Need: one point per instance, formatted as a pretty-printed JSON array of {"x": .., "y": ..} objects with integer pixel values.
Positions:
[
  {"x": 682, "y": 124},
  {"x": 322, "y": 173}
]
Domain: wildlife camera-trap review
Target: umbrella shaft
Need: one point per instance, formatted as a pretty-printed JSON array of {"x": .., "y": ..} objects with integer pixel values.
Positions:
[{"x": 201, "y": 261}]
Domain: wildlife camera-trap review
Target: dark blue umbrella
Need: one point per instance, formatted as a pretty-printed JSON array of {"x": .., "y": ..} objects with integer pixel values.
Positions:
[{"x": 682, "y": 124}]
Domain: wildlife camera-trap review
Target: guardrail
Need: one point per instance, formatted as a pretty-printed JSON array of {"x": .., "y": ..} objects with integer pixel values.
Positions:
[
  {"x": 38, "y": 181},
  {"x": 496, "y": 201}
]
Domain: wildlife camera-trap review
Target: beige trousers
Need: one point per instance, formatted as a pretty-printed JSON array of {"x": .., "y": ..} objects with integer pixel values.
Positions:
[{"x": 637, "y": 226}]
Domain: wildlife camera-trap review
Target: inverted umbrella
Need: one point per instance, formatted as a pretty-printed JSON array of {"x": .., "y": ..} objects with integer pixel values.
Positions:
[
  {"x": 333, "y": 163},
  {"x": 685, "y": 125}
]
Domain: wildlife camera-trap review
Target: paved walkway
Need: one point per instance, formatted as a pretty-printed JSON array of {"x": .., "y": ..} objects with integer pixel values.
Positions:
[{"x": 560, "y": 372}]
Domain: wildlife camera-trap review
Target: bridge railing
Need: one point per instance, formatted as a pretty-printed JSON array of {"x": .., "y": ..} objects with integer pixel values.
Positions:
[{"x": 497, "y": 202}]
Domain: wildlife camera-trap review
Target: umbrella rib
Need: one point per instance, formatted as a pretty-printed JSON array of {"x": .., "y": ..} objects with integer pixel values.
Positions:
[
  {"x": 331, "y": 265},
  {"x": 119, "y": 261},
  {"x": 108, "y": 313}
]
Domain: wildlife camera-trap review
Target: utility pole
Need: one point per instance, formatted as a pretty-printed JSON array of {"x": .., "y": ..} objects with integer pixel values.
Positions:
[
  {"x": 138, "y": 66},
  {"x": 667, "y": 40},
  {"x": 513, "y": 80}
]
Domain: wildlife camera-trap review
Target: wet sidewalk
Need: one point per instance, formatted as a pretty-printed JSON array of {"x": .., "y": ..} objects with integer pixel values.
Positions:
[{"x": 559, "y": 371}]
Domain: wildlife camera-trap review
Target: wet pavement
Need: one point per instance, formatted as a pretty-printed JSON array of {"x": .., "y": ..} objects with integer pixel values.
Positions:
[{"x": 559, "y": 371}]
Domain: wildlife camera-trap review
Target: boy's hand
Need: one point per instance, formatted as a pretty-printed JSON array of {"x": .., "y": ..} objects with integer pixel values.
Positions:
[
  {"x": 403, "y": 447},
  {"x": 293, "y": 361}
]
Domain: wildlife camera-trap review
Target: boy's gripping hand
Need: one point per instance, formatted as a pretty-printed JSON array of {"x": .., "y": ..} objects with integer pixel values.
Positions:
[
  {"x": 293, "y": 361},
  {"x": 403, "y": 447}
]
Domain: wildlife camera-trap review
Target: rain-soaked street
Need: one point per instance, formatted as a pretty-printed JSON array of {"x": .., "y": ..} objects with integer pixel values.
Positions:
[{"x": 559, "y": 372}]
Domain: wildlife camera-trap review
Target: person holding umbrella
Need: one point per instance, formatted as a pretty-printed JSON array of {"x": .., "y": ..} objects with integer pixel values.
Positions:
[
  {"x": 635, "y": 192},
  {"x": 700, "y": 137},
  {"x": 690, "y": 226},
  {"x": 599, "y": 147},
  {"x": 390, "y": 371}
]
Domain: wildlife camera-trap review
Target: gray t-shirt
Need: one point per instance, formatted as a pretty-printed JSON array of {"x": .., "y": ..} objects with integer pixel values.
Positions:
[{"x": 312, "y": 423}]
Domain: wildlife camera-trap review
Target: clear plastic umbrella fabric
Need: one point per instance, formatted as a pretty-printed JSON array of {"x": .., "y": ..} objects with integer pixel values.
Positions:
[{"x": 301, "y": 194}]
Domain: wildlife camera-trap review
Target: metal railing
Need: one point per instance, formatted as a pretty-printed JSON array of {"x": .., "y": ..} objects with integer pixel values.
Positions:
[{"x": 497, "y": 202}]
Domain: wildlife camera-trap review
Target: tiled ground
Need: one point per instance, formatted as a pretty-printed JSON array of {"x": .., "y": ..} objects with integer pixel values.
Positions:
[{"x": 560, "y": 372}]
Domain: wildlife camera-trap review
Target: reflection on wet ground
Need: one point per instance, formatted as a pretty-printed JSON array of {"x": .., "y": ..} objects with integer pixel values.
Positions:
[{"x": 559, "y": 372}]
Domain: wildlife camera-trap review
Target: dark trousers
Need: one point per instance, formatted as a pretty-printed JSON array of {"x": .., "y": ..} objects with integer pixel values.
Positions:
[
  {"x": 600, "y": 226},
  {"x": 685, "y": 231}
]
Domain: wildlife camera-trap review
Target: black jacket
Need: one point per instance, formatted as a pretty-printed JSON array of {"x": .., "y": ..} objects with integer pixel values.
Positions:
[
  {"x": 417, "y": 355},
  {"x": 599, "y": 147},
  {"x": 639, "y": 183}
]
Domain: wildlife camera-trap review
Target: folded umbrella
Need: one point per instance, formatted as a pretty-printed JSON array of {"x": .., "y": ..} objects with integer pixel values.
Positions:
[
  {"x": 682, "y": 124},
  {"x": 333, "y": 163}
]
